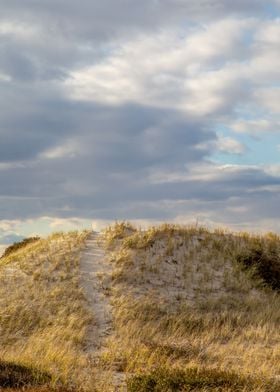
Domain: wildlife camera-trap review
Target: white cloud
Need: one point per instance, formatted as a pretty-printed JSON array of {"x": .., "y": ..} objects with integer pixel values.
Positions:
[
  {"x": 8, "y": 225},
  {"x": 13, "y": 229},
  {"x": 269, "y": 98},
  {"x": 230, "y": 146},
  {"x": 255, "y": 126},
  {"x": 11, "y": 165},
  {"x": 5, "y": 77},
  {"x": 273, "y": 170},
  {"x": 195, "y": 71},
  {"x": 168, "y": 70},
  {"x": 68, "y": 149},
  {"x": 268, "y": 33},
  {"x": 223, "y": 144},
  {"x": 204, "y": 172},
  {"x": 18, "y": 29},
  {"x": 65, "y": 223},
  {"x": 154, "y": 80}
]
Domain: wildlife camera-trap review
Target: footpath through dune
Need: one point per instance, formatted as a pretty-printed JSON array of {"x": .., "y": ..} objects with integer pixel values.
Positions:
[{"x": 95, "y": 277}]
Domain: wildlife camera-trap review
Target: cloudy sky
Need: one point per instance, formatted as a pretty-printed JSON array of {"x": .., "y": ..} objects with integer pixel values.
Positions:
[{"x": 152, "y": 110}]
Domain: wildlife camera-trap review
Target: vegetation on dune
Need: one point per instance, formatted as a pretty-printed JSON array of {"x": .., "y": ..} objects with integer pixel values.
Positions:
[
  {"x": 194, "y": 310},
  {"x": 184, "y": 300},
  {"x": 119, "y": 231},
  {"x": 192, "y": 379},
  {"x": 263, "y": 256},
  {"x": 12, "y": 375},
  {"x": 19, "y": 245},
  {"x": 43, "y": 314}
]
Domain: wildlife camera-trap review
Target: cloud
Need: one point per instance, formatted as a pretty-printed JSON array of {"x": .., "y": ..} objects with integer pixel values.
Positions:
[
  {"x": 8, "y": 233},
  {"x": 230, "y": 146},
  {"x": 269, "y": 98},
  {"x": 92, "y": 19},
  {"x": 256, "y": 126},
  {"x": 61, "y": 223},
  {"x": 67, "y": 150},
  {"x": 140, "y": 71},
  {"x": 115, "y": 110},
  {"x": 15, "y": 230}
]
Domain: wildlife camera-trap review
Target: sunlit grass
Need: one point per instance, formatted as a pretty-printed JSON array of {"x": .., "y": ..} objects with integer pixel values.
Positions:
[
  {"x": 184, "y": 299},
  {"x": 43, "y": 317},
  {"x": 194, "y": 310}
]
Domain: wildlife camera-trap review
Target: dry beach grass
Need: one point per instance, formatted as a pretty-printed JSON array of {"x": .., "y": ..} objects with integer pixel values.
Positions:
[
  {"x": 185, "y": 301},
  {"x": 192, "y": 310},
  {"x": 43, "y": 317}
]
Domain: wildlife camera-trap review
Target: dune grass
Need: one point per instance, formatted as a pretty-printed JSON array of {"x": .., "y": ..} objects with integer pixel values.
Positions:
[
  {"x": 19, "y": 245},
  {"x": 43, "y": 316},
  {"x": 188, "y": 302},
  {"x": 194, "y": 310}
]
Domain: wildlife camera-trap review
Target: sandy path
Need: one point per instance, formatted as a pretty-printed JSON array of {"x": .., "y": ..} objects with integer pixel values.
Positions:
[{"x": 95, "y": 272}]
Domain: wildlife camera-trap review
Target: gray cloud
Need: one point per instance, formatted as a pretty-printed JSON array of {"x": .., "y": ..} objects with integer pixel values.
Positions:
[
  {"x": 42, "y": 40},
  {"x": 134, "y": 155},
  {"x": 96, "y": 19}
]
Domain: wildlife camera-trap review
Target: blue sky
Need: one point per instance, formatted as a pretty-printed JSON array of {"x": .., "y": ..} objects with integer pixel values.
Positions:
[{"x": 159, "y": 110}]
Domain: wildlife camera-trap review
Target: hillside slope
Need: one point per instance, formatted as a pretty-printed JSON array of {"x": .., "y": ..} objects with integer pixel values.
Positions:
[
  {"x": 191, "y": 310},
  {"x": 195, "y": 310},
  {"x": 43, "y": 314}
]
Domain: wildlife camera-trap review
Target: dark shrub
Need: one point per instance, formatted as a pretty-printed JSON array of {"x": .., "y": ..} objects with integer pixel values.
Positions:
[
  {"x": 265, "y": 259},
  {"x": 16, "y": 376},
  {"x": 175, "y": 380}
]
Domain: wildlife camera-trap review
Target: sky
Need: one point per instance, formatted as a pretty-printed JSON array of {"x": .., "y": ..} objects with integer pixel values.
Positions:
[{"x": 151, "y": 111}]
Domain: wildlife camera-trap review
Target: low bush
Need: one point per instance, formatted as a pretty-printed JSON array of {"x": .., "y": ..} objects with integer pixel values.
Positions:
[
  {"x": 17, "y": 376},
  {"x": 193, "y": 379},
  {"x": 265, "y": 259}
]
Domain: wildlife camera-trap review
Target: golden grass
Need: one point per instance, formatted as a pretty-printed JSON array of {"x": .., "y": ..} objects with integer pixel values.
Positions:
[
  {"x": 194, "y": 310},
  {"x": 43, "y": 314},
  {"x": 184, "y": 301}
]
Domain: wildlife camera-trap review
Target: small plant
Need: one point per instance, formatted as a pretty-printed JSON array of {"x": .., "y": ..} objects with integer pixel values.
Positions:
[
  {"x": 118, "y": 231},
  {"x": 140, "y": 240}
]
